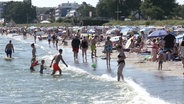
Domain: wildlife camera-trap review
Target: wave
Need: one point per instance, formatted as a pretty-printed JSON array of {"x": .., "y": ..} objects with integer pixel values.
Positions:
[{"x": 135, "y": 93}]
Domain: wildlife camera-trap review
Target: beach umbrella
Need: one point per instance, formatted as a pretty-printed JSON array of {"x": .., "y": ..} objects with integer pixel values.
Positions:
[
  {"x": 146, "y": 30},
  {"x": 32, "y": 27},
  {"x": 112, "y": 31},
  {"x": 158, "y": 33},
  {"x": 39, "y": 33},
  {"x": 179, "y": 38},
  {"x": 126, "y": 30},
  {"x": 179, "y": 30},
  {"x": 91, "y": 31},
  {"x": 114, "y": 39},
  {"x": 45, "y": 21}
]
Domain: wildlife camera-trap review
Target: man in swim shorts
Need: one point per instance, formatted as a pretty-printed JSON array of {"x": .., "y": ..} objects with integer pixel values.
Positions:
[
  {"x": 75, "y": 46},
  {"x": 93, "y": 46},
  {"x": 56, "y": 61},
  {"x": 9, "y": 49}
]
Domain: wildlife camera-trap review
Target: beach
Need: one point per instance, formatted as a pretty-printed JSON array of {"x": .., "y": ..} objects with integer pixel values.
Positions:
[
  {"x": 80, "y": 82},
  {"x": 170, "y": 68}
]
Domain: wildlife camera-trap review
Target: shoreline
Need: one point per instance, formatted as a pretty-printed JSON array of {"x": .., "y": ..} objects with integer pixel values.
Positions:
[{"x": 170, "y": 68}]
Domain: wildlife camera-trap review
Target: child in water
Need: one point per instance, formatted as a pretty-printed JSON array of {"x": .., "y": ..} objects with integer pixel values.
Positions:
[
  {"x": 160, "y": 59},
  {"x": 42, "y": 66},
  {"x": 33, "y": 63}
]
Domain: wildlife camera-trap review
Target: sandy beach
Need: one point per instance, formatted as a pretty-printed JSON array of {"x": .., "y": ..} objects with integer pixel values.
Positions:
[{"x": 170, "y": 68}]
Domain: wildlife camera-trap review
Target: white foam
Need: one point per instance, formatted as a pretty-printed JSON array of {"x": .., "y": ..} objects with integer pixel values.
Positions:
[{"x": 143, "y": 97}]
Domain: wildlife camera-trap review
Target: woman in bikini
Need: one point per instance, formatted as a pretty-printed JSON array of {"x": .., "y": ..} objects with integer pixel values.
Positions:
[
  {"x": 108, "y": 50},
  {"x": 121, "y": 63}
]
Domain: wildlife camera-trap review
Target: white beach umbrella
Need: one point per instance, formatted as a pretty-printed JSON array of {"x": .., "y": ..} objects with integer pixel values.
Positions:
[
  {"x": 179, "y": 30},
  {"x": 45, "y": 21},
  {"x": 179, "y": 38}
]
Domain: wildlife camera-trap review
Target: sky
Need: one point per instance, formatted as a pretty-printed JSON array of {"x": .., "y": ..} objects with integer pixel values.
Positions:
[{"x": 55, "y": 3}]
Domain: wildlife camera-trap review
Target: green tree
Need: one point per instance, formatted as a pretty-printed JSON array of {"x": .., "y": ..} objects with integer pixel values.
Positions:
[
  {"x": 116, "y": 8},
  {"x": 20, "y": 12},
  {"x": 106, "y": 8},
  {"x": 59, "y": 20},
  {"x": 179, "y": 12},
  {"x": 158, "y": 9},
  {"x": 84, "y": 10}
]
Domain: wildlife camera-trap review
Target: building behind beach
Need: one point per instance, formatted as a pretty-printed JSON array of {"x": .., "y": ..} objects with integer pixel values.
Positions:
[{"x": 66, "y": 9}]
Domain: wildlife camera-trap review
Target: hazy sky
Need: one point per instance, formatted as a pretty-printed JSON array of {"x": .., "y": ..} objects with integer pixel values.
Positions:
[{"x": 54, "y": 3}]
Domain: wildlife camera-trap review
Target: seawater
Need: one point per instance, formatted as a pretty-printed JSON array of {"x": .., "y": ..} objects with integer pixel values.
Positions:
[{"x": 79, "y": 84}]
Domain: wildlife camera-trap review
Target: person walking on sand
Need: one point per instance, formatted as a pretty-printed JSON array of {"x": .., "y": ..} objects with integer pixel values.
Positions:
[
  {"x": 75, "y": 46},
  {"x": 108, "y": 50},
  {"x": 181, "y": 50},
  {"x": 168, "y": 43},
  {"x": 56, "y": 61},
  {"x": 9, "y": 49},
  {"x": 154, "y": 50},
  {"x": 84, "y": 47},
  {"x": 121, "y": 62}
]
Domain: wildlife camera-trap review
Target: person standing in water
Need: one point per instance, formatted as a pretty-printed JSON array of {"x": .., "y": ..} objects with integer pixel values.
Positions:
[
  {"x": 160, "y": 59},
  {"x": 93, "y": 46},
  {"x": 33, "y": 50},
  {"x": 42, "y": 66},
  {"x": 9, "y": 49},
  {"x": 108, "y": 50},
  {"x": 121, "y": 62},
  {"x": 33, "y": 60},
  {"x": 75, "y": 46},
  {"x": 49, "y": 37},
  {"x": 84, "y": 47},
  {"x": 56, "y": 61},
  {"x": 34, "y": 35}
]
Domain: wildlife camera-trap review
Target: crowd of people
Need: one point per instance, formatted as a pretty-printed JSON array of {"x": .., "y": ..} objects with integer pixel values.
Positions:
[
  {"x": 77, "y": 42},
  {"x": 161, "y": 49}
]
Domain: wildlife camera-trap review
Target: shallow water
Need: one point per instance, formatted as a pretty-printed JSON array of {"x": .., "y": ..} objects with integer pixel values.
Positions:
[{"x": 80, "y": 83}]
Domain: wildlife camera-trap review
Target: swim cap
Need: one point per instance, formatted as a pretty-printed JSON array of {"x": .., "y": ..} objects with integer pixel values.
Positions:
[
  {"x": 32, "y": 44},
  {"x": 60, "y": 50}
]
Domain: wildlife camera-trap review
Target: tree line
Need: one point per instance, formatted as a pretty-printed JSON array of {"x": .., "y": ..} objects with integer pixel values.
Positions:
[
  {"x": 22, "y": 12},
  {"x": 148, "y": 9}
]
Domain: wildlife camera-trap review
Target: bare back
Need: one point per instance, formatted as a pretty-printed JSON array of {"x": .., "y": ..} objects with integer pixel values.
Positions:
[
  {"x": 9, "y": 46},
  {"x": 57, "y": 59}
]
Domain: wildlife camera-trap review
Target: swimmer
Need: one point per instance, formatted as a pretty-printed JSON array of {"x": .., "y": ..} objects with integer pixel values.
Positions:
[
  {"x": 56, "y": 61},
  {"x": 9, "y": 49},
  {"x": 42, "y": 66}
]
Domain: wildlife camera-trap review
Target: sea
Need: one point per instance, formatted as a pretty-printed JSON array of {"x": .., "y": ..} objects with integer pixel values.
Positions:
[{"x": 80, "y": 82}]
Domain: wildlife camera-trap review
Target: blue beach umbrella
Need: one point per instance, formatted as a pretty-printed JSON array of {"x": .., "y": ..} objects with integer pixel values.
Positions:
[
  {"x": 91, "y": 31},
  {"x": 158, "y": 33}
]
